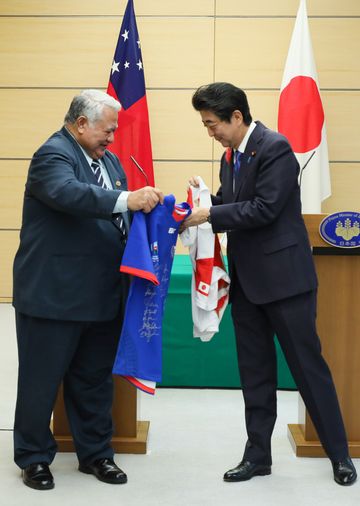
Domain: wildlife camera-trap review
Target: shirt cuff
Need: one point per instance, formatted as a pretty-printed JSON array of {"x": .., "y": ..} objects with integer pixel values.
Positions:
[{"x": 121, "y": 203}]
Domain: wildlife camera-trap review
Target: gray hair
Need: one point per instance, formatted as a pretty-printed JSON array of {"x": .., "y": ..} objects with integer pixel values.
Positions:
[{"x": 90, "y": 103}]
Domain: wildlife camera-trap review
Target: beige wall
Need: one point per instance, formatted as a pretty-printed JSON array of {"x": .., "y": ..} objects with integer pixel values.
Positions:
[{"x": 49, "y": 50}]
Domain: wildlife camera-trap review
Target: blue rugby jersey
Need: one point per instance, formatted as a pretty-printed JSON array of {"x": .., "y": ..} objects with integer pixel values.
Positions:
[{"x": 148, "y": 256}]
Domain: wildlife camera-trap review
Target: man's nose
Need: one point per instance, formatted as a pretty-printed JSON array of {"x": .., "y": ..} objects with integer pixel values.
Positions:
[
  {"x": 110, "y": 138},
  {"x": 210, "y": 132}
]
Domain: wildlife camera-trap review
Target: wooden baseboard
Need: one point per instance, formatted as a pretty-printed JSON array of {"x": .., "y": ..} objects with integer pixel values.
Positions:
[
  {"x": 137, "y": 444},
  {"x": 304, "y": 448}
]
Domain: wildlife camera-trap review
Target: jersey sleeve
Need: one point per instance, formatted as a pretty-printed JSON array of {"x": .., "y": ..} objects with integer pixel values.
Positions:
[{"x": 137, "y": 259}]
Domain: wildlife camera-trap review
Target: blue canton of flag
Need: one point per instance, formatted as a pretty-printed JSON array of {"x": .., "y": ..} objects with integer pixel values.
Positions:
[{"x": 127, "y": 76}]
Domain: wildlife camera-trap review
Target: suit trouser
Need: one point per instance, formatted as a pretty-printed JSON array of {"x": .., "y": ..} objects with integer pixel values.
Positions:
[
  {"x": 81, "y": 354},
  {"x": 293, "y": 322}
]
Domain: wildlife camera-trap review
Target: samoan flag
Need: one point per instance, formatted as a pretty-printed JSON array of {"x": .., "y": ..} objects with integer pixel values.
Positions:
[{"x": 127, "y": 85}]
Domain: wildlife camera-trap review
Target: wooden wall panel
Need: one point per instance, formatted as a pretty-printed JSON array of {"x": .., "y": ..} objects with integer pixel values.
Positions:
[
  {"x": 252, "y": 62},
  {"x": 9, "y": 242},
  {"x": 341, "y": 112},
  {"x": 177, "y": 52},
  {"x": 174, "y": 176},
  {"x": 287, "y": 8},
  {"x": 345, "y": 178},
  {"x": 44, "y": 60},
  {"x": 106, "y": 7},
  {"x": 335, "y": 42},
  {"x": 34, "y": 54},
  {"x": 12, "y": 184},
  {"x": 185, "y": 7},
  {"x": 176, "y": 131},
  {"x": 28, "y": 117}
]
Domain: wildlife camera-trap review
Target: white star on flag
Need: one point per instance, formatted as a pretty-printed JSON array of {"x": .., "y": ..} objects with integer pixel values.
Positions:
[
  {"x": 115, "y": 67},
  {"x": 125, "y": 35},
  {"x": 138, "y": 43},
  {"x": 126, "y": 65},
  {"x": 139, "y": 64}
]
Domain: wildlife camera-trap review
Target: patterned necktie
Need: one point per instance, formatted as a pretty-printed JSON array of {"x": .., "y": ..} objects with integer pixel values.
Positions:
[
  {"x": 95, "y": 166},
  {"x": 237, "y": 164},
  {"x": 119, "y": 220},
  {"x": 120, "y": 224}
]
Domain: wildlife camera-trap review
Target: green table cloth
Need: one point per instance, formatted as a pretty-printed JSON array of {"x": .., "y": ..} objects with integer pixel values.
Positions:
[{"x": 188, "y": 362}]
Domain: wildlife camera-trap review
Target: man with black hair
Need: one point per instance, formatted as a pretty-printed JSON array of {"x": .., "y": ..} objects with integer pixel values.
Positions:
[{"x": 273, "y": 280}]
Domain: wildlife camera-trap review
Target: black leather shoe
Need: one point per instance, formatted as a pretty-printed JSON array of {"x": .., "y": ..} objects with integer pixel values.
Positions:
[
  {"x": 105, "y": 470},
  {"x": 38, "y": 476},
  {"x": 344, "y": 472},
  {"x": 246, "y": 470}
]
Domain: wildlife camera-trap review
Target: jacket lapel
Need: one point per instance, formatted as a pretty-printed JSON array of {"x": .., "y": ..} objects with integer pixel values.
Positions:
[
  {"x": 248, "y": 158},
  {"x": 116, "y": 173},
  {"x": 118, "y": 180}
]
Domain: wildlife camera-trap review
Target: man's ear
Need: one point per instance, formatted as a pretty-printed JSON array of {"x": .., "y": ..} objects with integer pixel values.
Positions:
[
  {"x": 238, "y": 117},
  {"x": 81, "y": 124}
]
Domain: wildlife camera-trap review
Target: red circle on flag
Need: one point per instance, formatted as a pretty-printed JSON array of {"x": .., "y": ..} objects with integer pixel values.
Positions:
[{"x": 301, "y": 114}]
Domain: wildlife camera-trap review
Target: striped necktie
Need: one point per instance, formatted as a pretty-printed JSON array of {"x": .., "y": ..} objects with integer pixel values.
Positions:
[
  {"x": 120, "y": 224},
  {"x": 95, "y": 167},
  {"x": 119, "y": 220}
]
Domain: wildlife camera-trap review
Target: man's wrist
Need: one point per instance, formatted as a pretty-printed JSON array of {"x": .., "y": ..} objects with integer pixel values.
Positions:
[
  {"x": 121, "y": 203},
  {"x": 208, "y": 218}
]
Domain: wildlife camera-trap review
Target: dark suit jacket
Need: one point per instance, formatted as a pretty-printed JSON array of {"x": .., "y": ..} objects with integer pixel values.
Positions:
[
  {"x": 67, "y": 264},
  {"x": 268, "y": 246}
]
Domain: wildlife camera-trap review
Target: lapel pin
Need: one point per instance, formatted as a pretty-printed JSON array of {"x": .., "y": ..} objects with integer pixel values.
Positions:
[
  {"x": 117, "y": 183},
  {"x": 253, "y": 153}
]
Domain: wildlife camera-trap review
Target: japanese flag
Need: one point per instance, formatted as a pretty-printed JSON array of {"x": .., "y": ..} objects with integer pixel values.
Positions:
[{"x": 301, "y": 116}]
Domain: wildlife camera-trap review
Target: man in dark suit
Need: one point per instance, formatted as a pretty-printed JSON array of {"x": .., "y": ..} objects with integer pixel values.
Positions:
[
  {"x": 69, "y": 295},
  {"x": 273, "y": 279}
]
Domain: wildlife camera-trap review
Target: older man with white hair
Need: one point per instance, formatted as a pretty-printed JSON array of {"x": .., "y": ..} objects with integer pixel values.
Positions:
[{"x": 69, "y": 295}]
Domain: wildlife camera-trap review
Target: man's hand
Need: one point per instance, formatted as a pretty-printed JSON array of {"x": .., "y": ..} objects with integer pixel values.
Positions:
[
  {"x": 193, "y": 181},
  {"x": 198, "y": 216},
  {"x": 144, "y": 199}
]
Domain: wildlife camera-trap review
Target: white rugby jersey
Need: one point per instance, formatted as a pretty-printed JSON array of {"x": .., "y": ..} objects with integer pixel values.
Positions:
[{"x": 210, "y": 281}]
